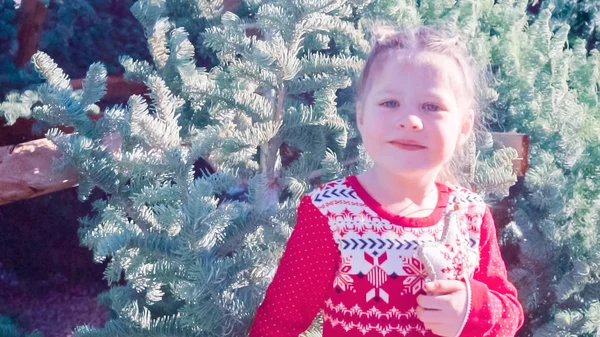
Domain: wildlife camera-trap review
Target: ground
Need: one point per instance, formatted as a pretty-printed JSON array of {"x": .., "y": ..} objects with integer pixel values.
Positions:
[
  {"x": 55, "y": 307},
  {"x": 48, "y": 282}
]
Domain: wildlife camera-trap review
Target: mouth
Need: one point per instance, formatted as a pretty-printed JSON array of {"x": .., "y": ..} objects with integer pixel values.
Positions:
[{"x": 407, "y": 145}]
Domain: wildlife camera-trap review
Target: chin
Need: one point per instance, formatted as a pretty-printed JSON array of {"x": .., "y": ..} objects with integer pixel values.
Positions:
[{"x": 408, "y": 170}]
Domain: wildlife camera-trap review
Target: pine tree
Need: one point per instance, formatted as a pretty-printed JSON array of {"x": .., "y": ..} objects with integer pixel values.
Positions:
[
  {"x": 550, "y": 93},
  {"x": 101, "y": 30},
  {"x": 196, "y": 261},
  {"x": 582, "y": 15},
  {"x": 197, "y": 257}
]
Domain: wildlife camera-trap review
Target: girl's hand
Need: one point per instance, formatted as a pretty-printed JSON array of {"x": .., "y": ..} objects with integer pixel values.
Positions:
[{"x": 444, "y": 309}]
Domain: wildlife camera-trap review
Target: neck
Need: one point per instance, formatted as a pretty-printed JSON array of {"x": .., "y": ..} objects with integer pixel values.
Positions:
[{"x": 401, "y": 193}]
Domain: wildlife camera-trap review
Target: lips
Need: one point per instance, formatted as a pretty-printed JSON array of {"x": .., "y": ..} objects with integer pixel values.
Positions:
[{"x": 408, "y": 145}]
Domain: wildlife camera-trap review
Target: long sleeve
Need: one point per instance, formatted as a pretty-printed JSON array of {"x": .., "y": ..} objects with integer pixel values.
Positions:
[
  {"x": 495, "y": 309},
  {"x": 302, "y": 281}
]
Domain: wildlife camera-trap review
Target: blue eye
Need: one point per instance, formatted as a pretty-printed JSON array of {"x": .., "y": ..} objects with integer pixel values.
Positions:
[
  {"x": 431, "y": 107},
  {"x": 390, "y": 104}
]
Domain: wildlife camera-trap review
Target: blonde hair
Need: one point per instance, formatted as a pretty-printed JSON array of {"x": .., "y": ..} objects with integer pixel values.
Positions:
[{"x": 445, "y": 42}]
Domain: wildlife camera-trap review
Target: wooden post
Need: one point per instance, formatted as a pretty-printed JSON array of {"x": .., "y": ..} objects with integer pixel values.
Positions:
[
  {"x": 32, "y": 15},
  {"x": 502, "y": 211},
  {"x": 519, "y": 142}
]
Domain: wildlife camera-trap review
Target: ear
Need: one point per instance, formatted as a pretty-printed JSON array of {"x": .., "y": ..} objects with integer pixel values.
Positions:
[
  {"x": 466, "y": 127},
  {"x": 360, "y": 115}
]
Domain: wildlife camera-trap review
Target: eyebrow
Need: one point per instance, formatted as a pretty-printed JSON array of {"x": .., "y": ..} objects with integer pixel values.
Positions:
[
  {"x": 387, "y": 91},
  {"x": 435, "y": 95},
  {"x": 438, "y": 96}
]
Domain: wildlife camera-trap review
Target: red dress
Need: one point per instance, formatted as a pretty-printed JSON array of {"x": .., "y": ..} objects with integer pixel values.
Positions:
[{"x": 350, "y": 258}]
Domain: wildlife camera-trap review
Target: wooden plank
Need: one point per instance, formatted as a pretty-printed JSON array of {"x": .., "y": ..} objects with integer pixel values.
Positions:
[
  {"x": 117, "y": 88},
  {"x": 26, "y": 171}
]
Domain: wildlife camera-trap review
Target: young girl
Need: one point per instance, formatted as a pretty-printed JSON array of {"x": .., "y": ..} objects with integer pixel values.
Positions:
[{"x": 377, "y": 252}]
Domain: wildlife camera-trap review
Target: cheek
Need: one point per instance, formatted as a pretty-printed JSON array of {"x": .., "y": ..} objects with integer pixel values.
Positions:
[
  {"x": 447, "y": 137},
  {"x": 373, "y": 134},
  {"x": 373, "y": 127}
]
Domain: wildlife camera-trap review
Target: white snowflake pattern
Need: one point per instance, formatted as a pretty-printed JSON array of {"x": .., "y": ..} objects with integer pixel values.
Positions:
[
  {"x": 343, "y": 280},
  {"x": 416, "y": 275}
]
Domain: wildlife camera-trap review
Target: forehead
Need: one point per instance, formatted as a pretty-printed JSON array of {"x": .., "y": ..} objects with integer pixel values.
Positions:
[{"x": 420, "y": 68}]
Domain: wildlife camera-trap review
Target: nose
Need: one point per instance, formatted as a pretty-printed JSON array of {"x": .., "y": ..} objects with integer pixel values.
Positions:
[{"x": 412, "y": 122}]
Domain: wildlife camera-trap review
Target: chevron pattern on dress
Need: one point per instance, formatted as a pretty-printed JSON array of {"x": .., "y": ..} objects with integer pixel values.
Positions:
[
  {"x": 369, "y": 244},
  {"x": 347, "y": 193}
]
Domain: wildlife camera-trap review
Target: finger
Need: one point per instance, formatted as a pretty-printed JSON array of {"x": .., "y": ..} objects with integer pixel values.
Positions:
[
  {"x": 429, "y": 316},
  {"x": 429, "y": 302},
  {"x": 450, "y": 302},
  {"x": 444, "y": 287},
  {"x": 436, "y": 328}
]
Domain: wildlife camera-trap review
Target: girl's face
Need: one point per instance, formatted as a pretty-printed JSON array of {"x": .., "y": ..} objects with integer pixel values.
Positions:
[{"x": 413, "y": 114}]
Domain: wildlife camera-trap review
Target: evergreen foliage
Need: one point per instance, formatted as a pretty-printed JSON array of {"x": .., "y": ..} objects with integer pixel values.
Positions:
[
  {"x": 550, "y": 93},
  {"x": 77, "y": 33},
  {"x": 582, "y": 15}
]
